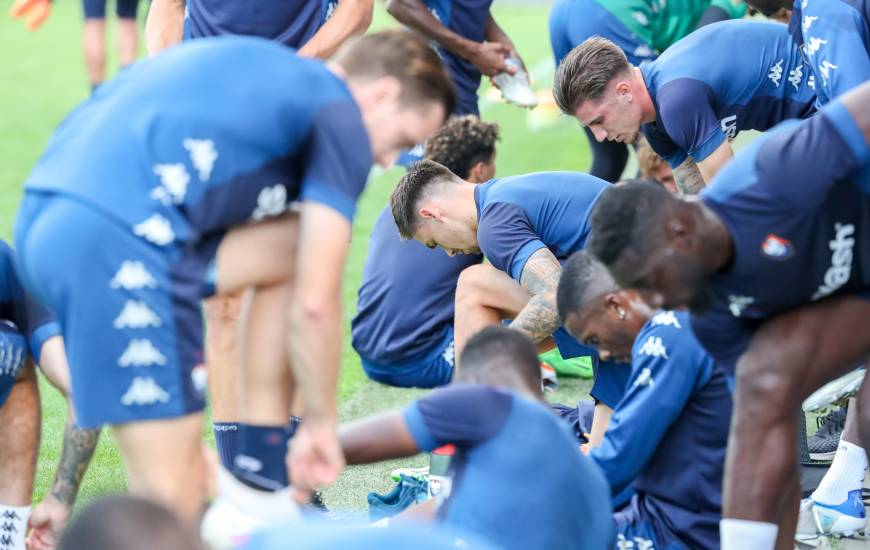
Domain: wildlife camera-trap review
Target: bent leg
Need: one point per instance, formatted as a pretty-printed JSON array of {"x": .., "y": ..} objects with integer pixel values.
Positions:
[{"x": 20, "y": 424}]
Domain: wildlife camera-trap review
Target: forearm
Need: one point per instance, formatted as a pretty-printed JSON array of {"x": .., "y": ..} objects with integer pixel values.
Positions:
[
  {"x": 78, "y": 448},
  {"x": 383, "y": 436},
  {"x": 688, "y": 177},
  {"x": 494, "y": 33},
  {"x": 164, "y": 26},
  {"x": 351, "y": 17},
  {"x": 539, "y": 319},
  {"x": 415, "y": 15},
  {"x": 600, "y": 422},
  {"x": 315, "y": 355}
]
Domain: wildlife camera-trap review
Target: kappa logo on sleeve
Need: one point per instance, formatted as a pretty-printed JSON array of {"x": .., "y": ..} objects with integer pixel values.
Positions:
[{"x": 654, "y": 347}]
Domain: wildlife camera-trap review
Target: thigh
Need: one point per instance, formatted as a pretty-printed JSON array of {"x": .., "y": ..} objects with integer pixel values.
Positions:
[
  {"x": 259, "y": 254},
  {"x": 489, "y": 287},
  {"x": 19, "y": 431}
]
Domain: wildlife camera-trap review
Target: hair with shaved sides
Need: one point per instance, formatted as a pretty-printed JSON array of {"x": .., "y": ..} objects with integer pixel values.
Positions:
[
  {"x": 499, "y": 355},
  {"x": 411, "y": 189},
  {"x": 583, "y": 279}
]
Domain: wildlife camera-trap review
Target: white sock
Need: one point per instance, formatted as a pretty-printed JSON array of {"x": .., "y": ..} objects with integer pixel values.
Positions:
[
  {"x": 742, "y": 534},
  {"x": 846, "y": 474},
  {"x": 13, "y": 526}
]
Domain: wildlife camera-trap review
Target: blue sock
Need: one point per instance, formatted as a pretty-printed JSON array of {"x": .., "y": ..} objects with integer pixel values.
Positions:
[
  {"x": 226, "y": 439},
  {"x": 260, "y": 461}
]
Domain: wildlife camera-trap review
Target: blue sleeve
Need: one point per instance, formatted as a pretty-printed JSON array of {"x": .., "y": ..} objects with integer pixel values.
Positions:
[
  {"x": 610, "y": 382},
  {"x": 663, "y": 145},
  {"x": 464, "y": 415},
  {"x": 803, "y": 162},
  {"x": 664, "y": 374},
  {"x": 338, "y": 157},
  {"x": 724, "y": 336},
  {"x": 686, "y": 111},
  {"x": 506, "y": 237},
  {"x": 837, "y": 46}
]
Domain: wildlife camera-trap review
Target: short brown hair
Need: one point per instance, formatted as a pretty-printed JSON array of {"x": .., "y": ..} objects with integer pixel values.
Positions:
[
  {"x": 461, "y": 143},
  {"x": 648, "y": 161},
  {"x": 586, "y": 71},
  {"x": 410, "y": 189},
  {"x": 402, "y": 55}
]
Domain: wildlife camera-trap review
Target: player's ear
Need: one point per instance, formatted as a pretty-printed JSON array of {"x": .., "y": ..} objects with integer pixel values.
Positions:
[
  {"x": 614, "y": 305},
  {"x": 382, "y": 90},
  {"x": 430, "y": 213}
]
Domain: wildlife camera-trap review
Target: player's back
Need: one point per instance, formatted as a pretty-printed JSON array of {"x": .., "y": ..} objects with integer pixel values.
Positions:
[
  {"x": 527, "y": 486},
  {"x": 199, "y": 132}
]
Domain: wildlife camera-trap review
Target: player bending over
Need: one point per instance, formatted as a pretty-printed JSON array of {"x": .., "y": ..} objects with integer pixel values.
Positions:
[
  {"x": 667, "y": 436},
  {"x": 772, "y": 261},
  {"x": 403, "y": 329},
  {"x": 496, "y": 417},
  {"x": 694, "y": 99}
]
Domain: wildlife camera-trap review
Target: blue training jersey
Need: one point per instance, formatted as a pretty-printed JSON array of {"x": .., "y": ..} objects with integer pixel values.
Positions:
[
  {"x": 667, "y": 435},
  {"x": 519, "y": 215},
  {"x": 208, "y": 135},
  {"x": 405, "y": 304},
  {"x": 507, "y": 448},
  {"x": 799, "y": 222},
  {"x": 720, "y": 80},
  {"x": 291, "y": 23},
  {"x": 834, "y": 36},
  {"x": 469, "y": 19}
]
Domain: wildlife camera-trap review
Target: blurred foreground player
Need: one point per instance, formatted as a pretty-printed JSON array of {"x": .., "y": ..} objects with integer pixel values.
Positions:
[
  {"x": 667, "y": 436},
  {"x": 496, "y": 417},
  {"x": 168, "y": 237},
  {"x": 773, "y": 264},
  {"x": 403, "y": 329}
]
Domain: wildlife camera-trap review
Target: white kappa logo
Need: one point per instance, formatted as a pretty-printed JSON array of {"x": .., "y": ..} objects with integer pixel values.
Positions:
[
  {"x": 132, "y": 275},
  {"x": 144, "y": 391}
]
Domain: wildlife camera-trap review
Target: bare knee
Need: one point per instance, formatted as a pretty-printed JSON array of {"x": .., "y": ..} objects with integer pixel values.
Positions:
[
  {"x": 473, "y": 284},
  {"x": 764, "y": 389}
]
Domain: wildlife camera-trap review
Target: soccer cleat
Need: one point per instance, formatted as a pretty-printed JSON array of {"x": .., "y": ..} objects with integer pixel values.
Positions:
[
  {"x": 240, "y": 511},
  {"x": 516, "y": 88},
  {"x": 320, "y": 507},
  {"x": 549, "y": 381},
  {"x": 580, "y": 367},
  {"x": 844, "y": 519},
  {"x": 836, "y": 392},
  {"x": 421, "y": 473},
  {"x": 823, "y": 444}
]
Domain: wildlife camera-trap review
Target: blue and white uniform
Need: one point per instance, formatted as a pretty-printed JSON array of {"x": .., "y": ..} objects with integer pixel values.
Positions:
[
  {"x": 667, "y": 439},
  {"x": 290, "y": 23},
  {"x": 137, "y": 188},
  {"x": 509, "y": 447},
  {"x": 403, "y": 329},
  {"x": 795, "y": 205},
  {"x": 834, "y": 36},
  {"x": 25, "y": 324},
  {"x": 703, "y": 96},
  {"x": 520, "y": 215}
]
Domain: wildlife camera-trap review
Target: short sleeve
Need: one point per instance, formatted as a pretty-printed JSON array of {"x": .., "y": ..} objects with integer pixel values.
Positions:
[
  {"x": 686, "y": 109},
  {"x": 610, "y": 381},
  {"x": 338, "y": 157},
  {"x": 663, "y": 145},
  {"x": 506, "y": 237},
  {"x": 465, "y": 415}
]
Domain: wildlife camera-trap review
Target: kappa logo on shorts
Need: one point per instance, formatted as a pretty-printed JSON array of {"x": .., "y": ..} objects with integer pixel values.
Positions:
[
  {"x": 814, "y": 44},
  {"x": 654, "y": 348},
  {"x": 808, "y": 20},
  {"x": 775, "y": 74},
  {"x": 136, "y": 314},
  {"x": 270, "y": 202},
  {"x": 132, "y": 275},
  {"x": 141, "y": 353},
  {"x": 202, "y": 156},
  {"x": 636, "y": 543},
  {"x": 144, "y": 391},
  {"x": 173, "y": 183},
  {"x": 796, "y": 76},
  {"x": 777, "y": 248},
  {"x": 729, "y": 126},
  {"x": 155, "y": 229},
  {"x": 666, "y": 319},
  {"x": 825, "y": 69},
  {"x": 841, "y": 261}
]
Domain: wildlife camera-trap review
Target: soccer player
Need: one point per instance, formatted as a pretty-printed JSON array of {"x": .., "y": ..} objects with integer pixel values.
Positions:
[
  {"x": 403, "y": 329},
  {"x": 642, "y": 30},
  {"x": 94, "y": 36},
  {"x": 773, "y": 263},
  {"x": 694, "y": 99},
  {"x": 834, "y": 36},
  {"x": 315, "y": 27},
  {"x": 190, "y": 196},
  {"x": 667, "y": 435},
  {"x": 495, "y": 404},
  {"x": 525, "y": 226}
]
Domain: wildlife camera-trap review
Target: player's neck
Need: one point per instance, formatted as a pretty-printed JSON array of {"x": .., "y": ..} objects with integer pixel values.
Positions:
[
  {"x": 466, "y": 203},
  {"x": 640, "y": 91}
]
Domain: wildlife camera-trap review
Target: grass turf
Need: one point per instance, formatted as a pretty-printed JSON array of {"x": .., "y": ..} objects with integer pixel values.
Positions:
[{"x": 45, "y": 78}]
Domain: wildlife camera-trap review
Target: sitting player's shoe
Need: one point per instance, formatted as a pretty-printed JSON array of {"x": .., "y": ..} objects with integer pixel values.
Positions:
[
  {"x": 549, "y": 381},
  {"x": 421, "y": 473},
  {"x": 844, "y": 519},
  {"x": 823, "y": 444},
  {"x": 807, "y": 535},
  {"x": 408, "y": 491},
  {"x": 321, "y": 508},
  {"x": 239, "y": 511},
  {"x": 579, "y": 367}
]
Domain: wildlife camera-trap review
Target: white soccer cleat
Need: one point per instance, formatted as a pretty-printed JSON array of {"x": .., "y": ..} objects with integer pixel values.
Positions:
[
  {"x": 842, "y": 520},
  {"x": 240, "y": 511}
]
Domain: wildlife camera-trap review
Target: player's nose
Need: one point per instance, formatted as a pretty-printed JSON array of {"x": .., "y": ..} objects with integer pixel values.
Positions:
[{"x": 599, "y": 133}]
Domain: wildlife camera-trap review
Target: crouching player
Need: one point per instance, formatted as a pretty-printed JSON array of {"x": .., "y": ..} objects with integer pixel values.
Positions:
[
  {"x": 189, "y": 197},
  {"x": 495, "y": 415},
  {"x": 403, "y": 329},
  {"x": 667, "y": 435},
  {"x": 525, "y": 226}
]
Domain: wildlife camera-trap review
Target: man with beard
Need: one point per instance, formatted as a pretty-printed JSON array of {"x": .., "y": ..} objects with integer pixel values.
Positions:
[{"x": 772, "y": 261}]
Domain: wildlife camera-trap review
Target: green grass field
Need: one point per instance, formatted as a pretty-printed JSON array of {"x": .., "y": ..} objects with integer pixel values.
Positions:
[{"x": 44, "y": 78}]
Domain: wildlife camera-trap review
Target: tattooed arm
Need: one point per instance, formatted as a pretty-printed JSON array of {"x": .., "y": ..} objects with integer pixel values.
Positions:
[
  {"x": 688, "y": 177},
  {"x": 540, "y": 277},
  {"x": 48, "y": 520}
]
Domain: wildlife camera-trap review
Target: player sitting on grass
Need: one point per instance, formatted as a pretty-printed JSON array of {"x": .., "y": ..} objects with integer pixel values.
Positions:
[
  {"x": 496, "y": 417},
  {"x": 667, "y": 435},
  {"x": 773, "y": 261},
  {"x": 525, "y": 226},
  {"x": 694, "y": 99},
  {"x": 403, "y": 329}
]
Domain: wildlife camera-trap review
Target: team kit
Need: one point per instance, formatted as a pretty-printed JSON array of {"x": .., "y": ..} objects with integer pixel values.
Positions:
[{"x": 183, "y": 238}]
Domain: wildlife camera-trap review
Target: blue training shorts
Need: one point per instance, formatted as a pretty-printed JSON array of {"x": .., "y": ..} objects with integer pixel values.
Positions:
[
  {"x": 433, "y": 369},
  {"x": 96, "y": 9},
  {"x": 129, "y": 310},
  {"x": 13, "y": 353}
]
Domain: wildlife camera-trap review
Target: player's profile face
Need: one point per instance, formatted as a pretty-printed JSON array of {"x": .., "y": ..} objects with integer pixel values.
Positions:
[
  {"x": 394, "y": 126},
  {"x": 450, "y": 235},
  {"x": 601, "y": 328},
  {"x": 610, "y": 118}
]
